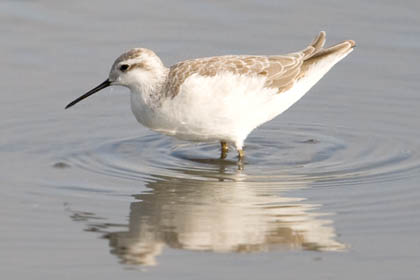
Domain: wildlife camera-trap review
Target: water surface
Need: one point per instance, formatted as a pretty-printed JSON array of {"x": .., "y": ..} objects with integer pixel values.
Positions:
[{"x": 329, "y": 189}]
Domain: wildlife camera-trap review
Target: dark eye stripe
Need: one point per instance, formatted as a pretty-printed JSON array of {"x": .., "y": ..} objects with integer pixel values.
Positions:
[{"x": 124, "y": 67}]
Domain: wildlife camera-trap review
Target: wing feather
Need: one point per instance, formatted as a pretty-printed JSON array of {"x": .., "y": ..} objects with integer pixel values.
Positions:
[{"x": 281, "y": 72}]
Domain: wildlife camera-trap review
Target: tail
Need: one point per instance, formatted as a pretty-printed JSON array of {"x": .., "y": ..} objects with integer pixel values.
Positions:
[
  {"x": 315, "y": 56},
  {"x": 319, "y": 53}
]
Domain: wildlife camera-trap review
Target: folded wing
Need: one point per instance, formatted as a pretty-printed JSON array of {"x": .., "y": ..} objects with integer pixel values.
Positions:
[{"x": 281, "y": 72}]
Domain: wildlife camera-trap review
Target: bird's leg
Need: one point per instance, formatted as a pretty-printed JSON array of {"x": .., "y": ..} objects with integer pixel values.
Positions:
[
  {"x": 224, "y": 149},
  {"x": 241, "y": 155}
]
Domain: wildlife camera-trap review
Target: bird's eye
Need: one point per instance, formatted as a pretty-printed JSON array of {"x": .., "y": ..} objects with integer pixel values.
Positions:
[{"x": 123, "y": 67}]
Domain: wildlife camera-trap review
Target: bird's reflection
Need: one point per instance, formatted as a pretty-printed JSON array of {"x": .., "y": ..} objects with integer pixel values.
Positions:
[{"x": 228, "y": 215}]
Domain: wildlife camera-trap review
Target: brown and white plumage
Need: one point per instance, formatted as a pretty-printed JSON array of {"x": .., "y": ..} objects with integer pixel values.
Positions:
[
  {"x": 219, "y": 98},
  {"x": 280, "y": 71}
]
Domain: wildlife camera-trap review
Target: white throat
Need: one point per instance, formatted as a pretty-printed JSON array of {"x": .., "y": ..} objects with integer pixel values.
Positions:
[
  {"x": 147, "y": 93},
  {"x": 148, "y": 86}
]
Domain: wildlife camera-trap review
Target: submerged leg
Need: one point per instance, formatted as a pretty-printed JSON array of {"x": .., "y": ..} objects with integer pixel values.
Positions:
[
  {"x": 239, "y": 144},
  {"x": 224, "y": 149}
]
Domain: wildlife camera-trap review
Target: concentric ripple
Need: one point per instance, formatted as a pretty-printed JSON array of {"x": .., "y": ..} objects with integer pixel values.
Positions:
[{"x": 294, "y": 152}]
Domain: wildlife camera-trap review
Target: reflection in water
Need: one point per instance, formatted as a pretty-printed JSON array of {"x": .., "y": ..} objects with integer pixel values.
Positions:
[{"x": 219, "y": 216}]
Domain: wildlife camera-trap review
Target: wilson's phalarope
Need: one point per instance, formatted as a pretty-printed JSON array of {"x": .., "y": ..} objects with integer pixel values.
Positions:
[{"x": 219, "y": 98}]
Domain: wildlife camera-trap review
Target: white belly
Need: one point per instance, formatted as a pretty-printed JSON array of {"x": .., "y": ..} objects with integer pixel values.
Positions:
[{"x": 225, "y": 107}]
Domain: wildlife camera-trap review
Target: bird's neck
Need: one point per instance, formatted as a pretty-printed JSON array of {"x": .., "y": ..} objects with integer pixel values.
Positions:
[
  {"x": 148, "y": 89},
  {"x": 147, "y": 95}
]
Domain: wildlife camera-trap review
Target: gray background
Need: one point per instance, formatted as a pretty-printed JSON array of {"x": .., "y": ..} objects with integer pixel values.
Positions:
[{"x": 65, "y": 173}]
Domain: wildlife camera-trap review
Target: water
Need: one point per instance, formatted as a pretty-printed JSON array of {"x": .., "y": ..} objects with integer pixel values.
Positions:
[{"x": 329, "y": 189}]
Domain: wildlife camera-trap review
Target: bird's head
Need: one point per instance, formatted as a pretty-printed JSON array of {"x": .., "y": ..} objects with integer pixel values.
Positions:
[{"x": 137, "y": 68}]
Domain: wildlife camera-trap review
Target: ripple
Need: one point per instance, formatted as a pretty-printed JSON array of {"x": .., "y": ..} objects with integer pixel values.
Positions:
[
  {"x": 290, "y": 152},
  {"x": 188, "y": 190}
]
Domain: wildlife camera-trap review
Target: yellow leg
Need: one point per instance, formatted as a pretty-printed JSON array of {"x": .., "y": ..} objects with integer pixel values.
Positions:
[
  {"x": 224, "y": 149},
  {"x": 241, "y": 154}
]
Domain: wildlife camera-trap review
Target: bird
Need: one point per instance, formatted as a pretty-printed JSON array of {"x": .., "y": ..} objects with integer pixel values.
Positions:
[{"x": 220, "y": 98}]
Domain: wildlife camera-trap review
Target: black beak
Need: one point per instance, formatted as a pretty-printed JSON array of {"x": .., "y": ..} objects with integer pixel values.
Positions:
[{"x": 105, "y": 84}]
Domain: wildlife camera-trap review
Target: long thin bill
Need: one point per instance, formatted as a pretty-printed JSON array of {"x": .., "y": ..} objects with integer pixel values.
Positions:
[{"x": 105, "y": 84}]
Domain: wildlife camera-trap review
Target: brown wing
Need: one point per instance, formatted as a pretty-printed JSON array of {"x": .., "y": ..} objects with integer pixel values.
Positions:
[{"x": 281, "y": 72}]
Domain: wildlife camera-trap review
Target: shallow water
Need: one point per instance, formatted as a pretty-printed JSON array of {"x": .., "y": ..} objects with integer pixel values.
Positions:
[{"x": 329, "y": 190}]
